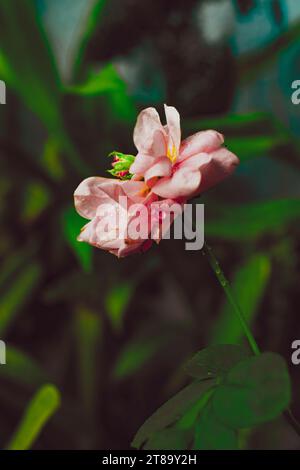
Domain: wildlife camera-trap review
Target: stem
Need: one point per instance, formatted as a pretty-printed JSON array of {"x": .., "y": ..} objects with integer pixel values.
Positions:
[
  {"x": 237, "y": 309},
  {"x": 228, "y": 292}
]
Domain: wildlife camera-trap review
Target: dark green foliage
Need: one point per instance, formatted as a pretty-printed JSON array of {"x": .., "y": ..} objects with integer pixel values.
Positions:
[
  {"x": 112, "y": 335},
  {"x": 243, "y": 392}
]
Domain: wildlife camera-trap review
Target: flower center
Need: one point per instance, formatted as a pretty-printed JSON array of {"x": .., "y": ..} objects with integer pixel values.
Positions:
[{"x": 172, "y": 153}]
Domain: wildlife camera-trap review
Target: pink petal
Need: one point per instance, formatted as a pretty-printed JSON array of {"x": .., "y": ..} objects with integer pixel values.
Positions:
[
  {"x": 196, "y": 162},
  {"x": 136, "y": 191},
  {"x": 161, "y": 167},
  {"x": 222, "y": 164},
  {"x": 129, "y": 249},
  {"x": 92, "y": 192},
  {"x": 163, "y": 214},
  {"x": 173, "y": 125},
  {"x": 141, "y": 164},
  {"x": 183, "y": 183},
  {"x": 203, "y": 141},
  {"x": 148, "y": 131},
  {"x": 88, "y": 233}
]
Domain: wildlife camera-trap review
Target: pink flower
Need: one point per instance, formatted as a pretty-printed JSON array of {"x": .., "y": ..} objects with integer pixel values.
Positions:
[
  {"x": 128, "y": 213},
  {"x": 175, "y": 169},
  {"x": 125, "y": 216}
]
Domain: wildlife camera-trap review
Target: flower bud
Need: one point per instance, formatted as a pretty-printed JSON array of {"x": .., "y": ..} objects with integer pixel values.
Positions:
[{"x": 121, "y": 164}]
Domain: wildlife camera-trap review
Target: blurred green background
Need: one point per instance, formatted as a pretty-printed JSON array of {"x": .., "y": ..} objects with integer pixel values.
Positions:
[{"x": 110, "y": 336}]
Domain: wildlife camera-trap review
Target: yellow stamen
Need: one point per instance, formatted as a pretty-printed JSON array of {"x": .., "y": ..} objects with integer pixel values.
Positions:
[{"x": 172, "y": 153}]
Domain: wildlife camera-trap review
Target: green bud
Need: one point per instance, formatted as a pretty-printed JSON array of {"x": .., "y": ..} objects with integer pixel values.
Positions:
[{"x": 121, "y": 164}]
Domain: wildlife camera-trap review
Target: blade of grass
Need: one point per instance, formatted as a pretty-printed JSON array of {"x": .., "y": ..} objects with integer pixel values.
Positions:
[{"x": 40, "y": 409}]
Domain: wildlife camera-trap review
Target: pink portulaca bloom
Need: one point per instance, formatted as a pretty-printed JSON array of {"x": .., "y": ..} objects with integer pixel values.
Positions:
[
  {"x": 127, "y": 213},
  {"x": 175, "y": 169}
]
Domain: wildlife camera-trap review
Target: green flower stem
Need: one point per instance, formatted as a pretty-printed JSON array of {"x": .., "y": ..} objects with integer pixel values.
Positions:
[
  {"x": 238, "y": 311},
  {"x": 228, "y": 292}
]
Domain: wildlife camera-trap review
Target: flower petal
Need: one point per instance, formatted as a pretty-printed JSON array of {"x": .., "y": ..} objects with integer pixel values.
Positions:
[
  {"x": 203, "y": 141},
  {"x": 92, "y": 192},
  {"x": 173, "y": 125},
  {"x": 141, "y": 164},
  {"x": 136, "y": 191},
  {"x": 183, "y": 183},
  {"x": 163, "y": 214},
  {"x": 161, "y": 167},
  {"x": 222, "y": 164},
  {"x": 196, "y": 162},
  {"x": 148, "y": 131}
]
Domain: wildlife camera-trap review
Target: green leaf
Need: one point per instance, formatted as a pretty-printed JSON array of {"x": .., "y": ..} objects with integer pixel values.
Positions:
[
  {"x": 26, "y": 62},
  {"x": 215, "y": 361},
  {"x": 188, "y": 420},
  {"x": 233, "y": 124},
  {"x": 168, "y": 439},
  {"x": 250, "y": 221},
  {"x": 105, "y": 81},
  {"x": 19, "y": 292},
  {"x": 42, "y": 406},
  {"x": 255, "y": 391},
  {"x": 108, "y": 83},
  {"x": 88, "y": 329},
  {"x": 22, "y": 368},
  {"x": 72, "y": 224},
  {"x": 248, "y": 285},
  {"x": 117, "y": 301},
  {"x": 28, "y": 67},
  {"x": 134, "y": 356},
  {"x": 172, "y": 410},
  {"x": 211, "y": 434},
  {"x": 249, "y": 147},
  {"x": 35, "y": 200}
]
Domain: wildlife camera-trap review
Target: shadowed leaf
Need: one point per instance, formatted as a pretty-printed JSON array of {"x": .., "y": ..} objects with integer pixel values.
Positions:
[
  {"x": 172, "y": 410},
  {"x": 22, "y": 368},
  {"x": 211, "y": 434},
  {"x": 215, "y": 361},
  {"x": 255, "y": 391}
]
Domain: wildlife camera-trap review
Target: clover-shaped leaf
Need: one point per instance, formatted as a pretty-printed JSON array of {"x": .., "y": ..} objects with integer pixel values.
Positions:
[
  {"x": 254, "y": 391},
  {"x": 215, "y": 361},
  {"x": 172, "y": 410},
  {"x": 212, "y": 434}
]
